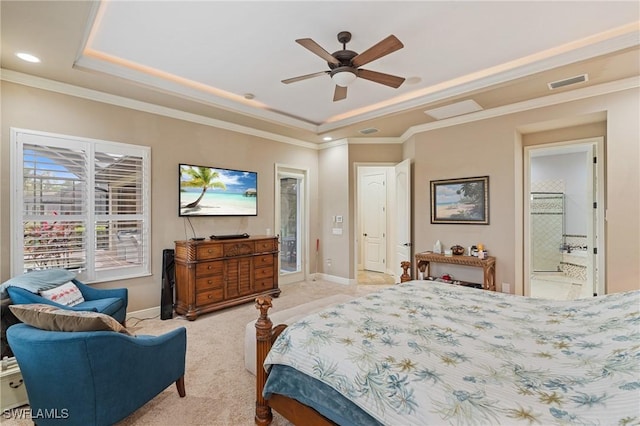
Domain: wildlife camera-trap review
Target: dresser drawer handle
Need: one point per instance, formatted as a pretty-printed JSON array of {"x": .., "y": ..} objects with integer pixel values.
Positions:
[
  {"x": 209, "y": 282},
  {"x": 13, "y": 385},
  {"x": 209, "y": 251},
  {"x": 210, "y": 296},
  {"x": 209, "y": 267}
]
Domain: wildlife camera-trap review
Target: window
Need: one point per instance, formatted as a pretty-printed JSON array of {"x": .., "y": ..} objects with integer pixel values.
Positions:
[{"x": 80, "y": 204}]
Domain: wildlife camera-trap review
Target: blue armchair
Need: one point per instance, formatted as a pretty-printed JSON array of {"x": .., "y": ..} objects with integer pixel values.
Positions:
[
  {"x": 24, "y": 288},
  {"x": 95, "y": 377}
]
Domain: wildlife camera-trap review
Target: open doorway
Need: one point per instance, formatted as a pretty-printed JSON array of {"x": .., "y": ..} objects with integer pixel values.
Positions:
[
  {"x": 564, "y": 219},
  {"x": 383, "y": 229},
  {"x": 291, "y": 223}
]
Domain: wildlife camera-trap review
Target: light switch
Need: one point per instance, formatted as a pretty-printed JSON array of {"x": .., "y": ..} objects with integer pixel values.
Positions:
[
  {"x": 339, "y": 219},
  {"x": 337, "y": 231}
]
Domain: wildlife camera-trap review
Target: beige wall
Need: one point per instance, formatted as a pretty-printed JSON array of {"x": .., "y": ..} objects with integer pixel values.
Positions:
[
  {"x": 172, "y": 141},
  {"x": 489, "y": 147}
]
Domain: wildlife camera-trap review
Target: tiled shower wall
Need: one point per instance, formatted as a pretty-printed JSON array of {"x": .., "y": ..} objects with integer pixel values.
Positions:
[{"x": 547, "y": 225}]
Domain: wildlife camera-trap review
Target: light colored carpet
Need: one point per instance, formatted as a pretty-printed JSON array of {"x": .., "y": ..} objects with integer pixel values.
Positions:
[{"x": 219, "y": 389}]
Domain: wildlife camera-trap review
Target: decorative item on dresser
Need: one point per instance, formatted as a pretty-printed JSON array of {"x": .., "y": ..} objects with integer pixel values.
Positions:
[
  {"x": 216, "y": 274},
  {"x": 488, "y": 265}
]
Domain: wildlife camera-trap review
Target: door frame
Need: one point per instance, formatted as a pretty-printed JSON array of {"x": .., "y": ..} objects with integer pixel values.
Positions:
[
  {"x": 283, "y": 170},
  {"x": 598, "y": 262},
  {"x": 391, "y": 232}
]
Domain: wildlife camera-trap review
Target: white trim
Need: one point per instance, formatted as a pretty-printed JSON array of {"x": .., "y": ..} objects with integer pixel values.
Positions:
[
  {"x": 584, "y": 145},
  {"x": 545, "y": 101},
  {"x": 20, "y": 137},
  {"x": 94, "y": 95},
  {"x": 149, "y": 313},
  {"x": 541, "y": 102},
  {"x": 335, "y": 279}
]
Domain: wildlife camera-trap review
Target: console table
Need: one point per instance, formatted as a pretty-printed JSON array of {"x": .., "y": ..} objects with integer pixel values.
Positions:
[
  {"x": 216, "y": 274},
  {"x": 488, "y": 265}
]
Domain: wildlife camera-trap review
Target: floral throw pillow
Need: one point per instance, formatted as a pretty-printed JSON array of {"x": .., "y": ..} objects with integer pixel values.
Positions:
[
  {"x": 67, "y": 294},
  {"x": 47, "y": 317}
]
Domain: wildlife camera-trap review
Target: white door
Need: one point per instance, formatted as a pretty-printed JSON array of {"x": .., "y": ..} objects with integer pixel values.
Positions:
[
  {"x": 374, "y": 218},
  {"x": 402, "y": 215}
]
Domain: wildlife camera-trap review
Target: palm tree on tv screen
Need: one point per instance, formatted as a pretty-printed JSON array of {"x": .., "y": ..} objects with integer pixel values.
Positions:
[{"x": 201, "y": 177}]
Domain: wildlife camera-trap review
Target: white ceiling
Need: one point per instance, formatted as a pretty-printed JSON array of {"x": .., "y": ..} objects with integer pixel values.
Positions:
[{"x": 204, "y": 56}]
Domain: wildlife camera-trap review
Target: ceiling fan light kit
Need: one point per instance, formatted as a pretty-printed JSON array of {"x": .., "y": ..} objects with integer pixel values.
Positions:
[
  {"x": 343, "y": 76},
  {"x": 344, "y": 64}
]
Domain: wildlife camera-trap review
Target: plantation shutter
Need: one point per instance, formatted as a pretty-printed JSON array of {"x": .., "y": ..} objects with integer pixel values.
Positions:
[
  {"x": 84, "y": 206},
  {"x": 55, "y": 212}
]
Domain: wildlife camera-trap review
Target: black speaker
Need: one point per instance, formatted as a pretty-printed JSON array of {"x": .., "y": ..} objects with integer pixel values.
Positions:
[{"x": 168, "y": 283}]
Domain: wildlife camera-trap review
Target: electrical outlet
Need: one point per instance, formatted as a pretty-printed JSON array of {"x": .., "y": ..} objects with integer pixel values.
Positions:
[{"x": 506, "y": 288}]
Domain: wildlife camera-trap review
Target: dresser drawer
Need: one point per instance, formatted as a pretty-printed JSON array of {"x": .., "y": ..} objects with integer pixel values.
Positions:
[
  {"x": 263, "y": 284},
  {"x": 211, "y": 296},
  {"x": 266, "y": 245},
  {"x": 263, "y": 260},
  {"x": 212, "y": 251},
  {"x": 208, "y": 268},
  {"x": 266, "y": 272},
  {"x": 238, "y": 248},
  {"x": 208, "y": 283}
]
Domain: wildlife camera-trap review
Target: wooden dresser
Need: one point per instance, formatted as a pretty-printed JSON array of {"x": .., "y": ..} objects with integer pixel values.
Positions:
[{"x": 216, "y": 274}]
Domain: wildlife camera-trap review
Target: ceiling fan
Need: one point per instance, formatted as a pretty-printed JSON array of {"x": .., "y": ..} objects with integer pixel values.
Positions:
[{"x": 345, "y": 64}]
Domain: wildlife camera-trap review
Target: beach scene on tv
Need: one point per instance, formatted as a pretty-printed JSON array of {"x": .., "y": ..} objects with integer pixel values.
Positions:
[{"x": 208, "y": 191}]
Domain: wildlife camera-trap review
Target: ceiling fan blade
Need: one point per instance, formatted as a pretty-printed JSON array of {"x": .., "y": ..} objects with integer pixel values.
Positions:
[
  {"x": 304, "y": 77},
  {"x": 383, "y": 48},
  {"x": 340, "y": 93},
  {"x": 317, "y": 49},
  {"x": 382, "y": 78}
]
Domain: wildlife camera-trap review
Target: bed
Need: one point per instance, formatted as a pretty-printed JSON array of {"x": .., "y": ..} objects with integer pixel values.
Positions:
[{"x": 423, "y": 353}]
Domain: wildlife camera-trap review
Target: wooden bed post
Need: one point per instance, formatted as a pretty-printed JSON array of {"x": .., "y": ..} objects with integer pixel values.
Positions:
[{"x": 263, "y": 345}]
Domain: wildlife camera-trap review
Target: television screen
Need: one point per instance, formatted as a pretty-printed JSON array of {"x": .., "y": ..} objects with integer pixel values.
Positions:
[{"x": 209, "y": 191}]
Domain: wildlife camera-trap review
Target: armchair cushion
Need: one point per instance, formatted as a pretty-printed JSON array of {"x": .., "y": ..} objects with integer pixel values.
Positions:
[
  {"x": 66, "y": 294},
  {"x": 25, "y": 288},
  {"x": 36, "y": 281},
  {"x": 47, "y": 317}
]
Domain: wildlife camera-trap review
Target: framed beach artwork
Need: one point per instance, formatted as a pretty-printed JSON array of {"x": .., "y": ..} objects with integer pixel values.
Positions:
[{"x": 460, "y": 201}]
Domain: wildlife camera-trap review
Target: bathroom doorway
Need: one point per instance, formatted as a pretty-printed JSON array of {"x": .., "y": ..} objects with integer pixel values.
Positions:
[{"x": 564, "y": 226}]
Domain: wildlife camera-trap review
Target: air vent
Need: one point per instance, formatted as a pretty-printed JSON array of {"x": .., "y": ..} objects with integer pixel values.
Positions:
[
  {"x": 369, "y": 130},
  {"x": 568, "y": 81}
]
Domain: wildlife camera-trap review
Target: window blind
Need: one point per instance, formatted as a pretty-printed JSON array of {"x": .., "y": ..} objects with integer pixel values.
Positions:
[{"x": 84, "y": 206}]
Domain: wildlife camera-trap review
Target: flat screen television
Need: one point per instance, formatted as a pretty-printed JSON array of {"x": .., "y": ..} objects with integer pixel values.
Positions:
[{"x": 211, "y": 191}]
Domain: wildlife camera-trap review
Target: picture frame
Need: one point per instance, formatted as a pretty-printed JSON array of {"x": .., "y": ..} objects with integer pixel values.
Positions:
[{"x": 460, "y": 201}]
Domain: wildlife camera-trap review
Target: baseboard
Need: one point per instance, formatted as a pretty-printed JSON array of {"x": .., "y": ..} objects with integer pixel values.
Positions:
[
  {"x": 145, "y": 313},
  {"x": 334, "y": 279}
]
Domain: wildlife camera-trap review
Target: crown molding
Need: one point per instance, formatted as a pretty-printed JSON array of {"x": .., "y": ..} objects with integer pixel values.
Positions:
[
  {"x": 545, "y": 101},
  {"x": 550, "y": 100},
  {"x": 610, "y": 41},
  {"x": 94, "y": 95}
]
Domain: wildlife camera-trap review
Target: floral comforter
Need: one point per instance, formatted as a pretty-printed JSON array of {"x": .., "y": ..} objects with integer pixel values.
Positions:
[{"x": 429, "y": 353}]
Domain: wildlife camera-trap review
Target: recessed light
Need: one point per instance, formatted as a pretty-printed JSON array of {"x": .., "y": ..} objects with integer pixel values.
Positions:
[
  {"x": 327, "y": 138},
  {"x": 413, "y": 80},
  {"x": 28, "y": 57}
]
